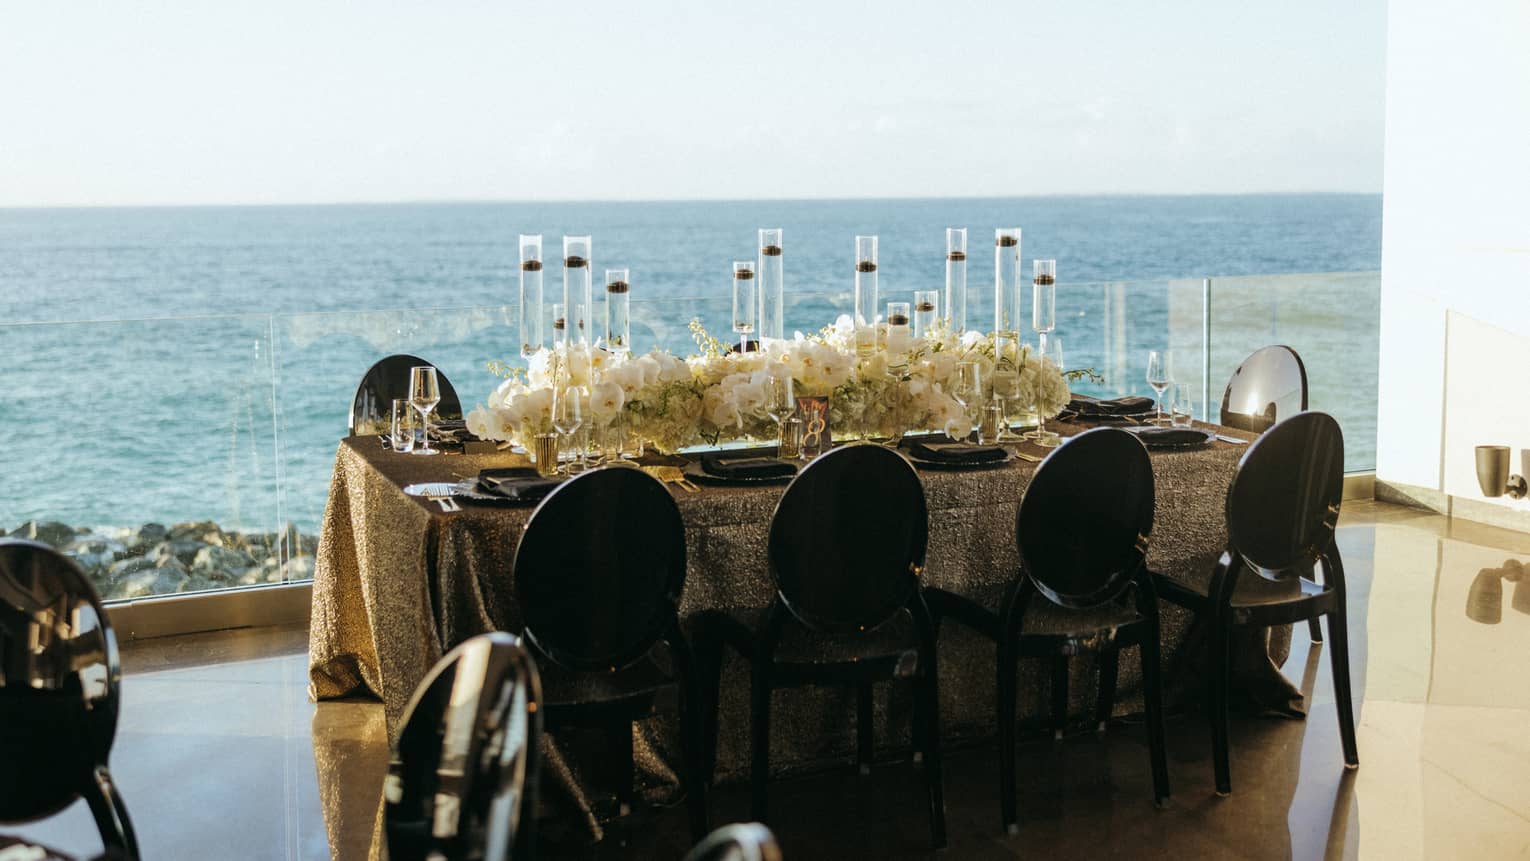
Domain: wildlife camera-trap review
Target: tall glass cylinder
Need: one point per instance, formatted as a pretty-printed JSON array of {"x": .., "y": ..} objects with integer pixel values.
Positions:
[
  {"x": 1006, "y": 279},
  {"x": 956, "y": 279},
  {"x": 578, "y": 292},
  {"x": 531, "y": 293},
  {"x": 560, "y": 324},
  {"x": 770, "y": 276},
  {"x": 1043, "y": 295},
  {"x": 926, "y": 311},
  {"x": 618, "y": 322},
  {"x": 744, "y": 302},
  {"x": 897, "y": 333},
  {"x": 865, "y": 295}
]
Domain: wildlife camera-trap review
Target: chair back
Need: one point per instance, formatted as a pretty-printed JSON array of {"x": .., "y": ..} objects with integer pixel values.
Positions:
[
  {"x": 747, "y": 841},
  {"x": 464, "y": 771},
  {"x": 1085, "y": 520},
  {"x": 388, "y": 380},
  {"x": 848, "y": 538},
  {"x": 60, "y": 682},
  {"x": 600, "y": 569},
  {"x": 1269, "y": 386},
  {"x": 1283, "y": 505}
]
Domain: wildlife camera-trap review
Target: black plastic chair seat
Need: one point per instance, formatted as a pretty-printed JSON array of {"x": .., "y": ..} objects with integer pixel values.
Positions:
[
  {"x": 895, "y": 640},
  {"x": 1042, "y": 618},
  {"x": 637, "y": 684}
]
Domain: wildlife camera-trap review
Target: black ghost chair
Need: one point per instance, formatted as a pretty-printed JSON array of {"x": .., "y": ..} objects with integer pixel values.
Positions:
[
  {"x": 598, "y": 577},
  {"x": 462, "y": 781},
  {"x": 748, "y": 841},
  {"x": 388, "y": 380},
  {"x": 1282, "y": 511},
  {"x": 60, "y": 679},
  {"x": 846, "y": 549},
  {"x": 1083, "y": 587}
]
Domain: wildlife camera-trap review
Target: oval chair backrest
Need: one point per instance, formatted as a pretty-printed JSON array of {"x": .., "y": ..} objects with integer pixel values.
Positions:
[
  {"x": 465, "y": 764},
  {"x": 1284, "y": 501},
  {"x": 387, "y": 380},
  {"x": 1269, "y": 386},
  {"x": 746, "y": 841},
  {"x": 600, "y": 569},
  {"x": 60, "y": 679},
  {"x": 1085, "y": 520},
  {"x": 848, "y": 538}
]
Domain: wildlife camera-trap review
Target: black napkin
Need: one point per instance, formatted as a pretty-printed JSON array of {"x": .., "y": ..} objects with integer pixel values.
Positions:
[
  {"x": 1170, "y": 436},
  {"x": 1129, "y": 406},
  {"x": 516, "y": 482},
  {"x": 451, "y": 430},
  {"x": 956, "y": 452},
  {"x": 746, "y": 466}
]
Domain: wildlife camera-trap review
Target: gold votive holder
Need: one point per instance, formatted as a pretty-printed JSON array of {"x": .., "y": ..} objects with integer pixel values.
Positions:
[{"x": 545, "y": 454}]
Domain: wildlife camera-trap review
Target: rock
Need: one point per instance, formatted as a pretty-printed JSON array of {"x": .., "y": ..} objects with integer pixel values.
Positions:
[
  {"x": 204, "y": 531},
  {"x": 300, "y": 568},
  {"x": 49, "y": 532},
  {"x": 131, "y": 565},
  {"x": 166, "y": 577},
  {"x": 149, "y": 535},
  {"x": 95, "y": 552},
  {"x": 220, "y": 564},
  {"x": 183, "y": 551}
]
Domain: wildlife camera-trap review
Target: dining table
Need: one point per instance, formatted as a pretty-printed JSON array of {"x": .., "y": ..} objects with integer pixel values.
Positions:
[{"x": 400, "y": 579}]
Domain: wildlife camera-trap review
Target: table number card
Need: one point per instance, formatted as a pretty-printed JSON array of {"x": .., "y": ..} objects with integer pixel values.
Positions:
[{"x": 814, "y": 413}]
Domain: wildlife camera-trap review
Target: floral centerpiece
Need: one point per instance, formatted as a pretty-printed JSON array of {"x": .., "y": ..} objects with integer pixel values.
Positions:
[{"x": 716, "y": 396}]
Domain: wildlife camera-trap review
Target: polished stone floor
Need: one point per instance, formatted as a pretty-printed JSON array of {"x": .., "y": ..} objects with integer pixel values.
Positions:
[{"x": 220, "y": 754}]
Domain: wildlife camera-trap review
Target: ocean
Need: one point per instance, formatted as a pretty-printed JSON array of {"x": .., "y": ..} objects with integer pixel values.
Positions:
[{"x": 173, "y": 364}]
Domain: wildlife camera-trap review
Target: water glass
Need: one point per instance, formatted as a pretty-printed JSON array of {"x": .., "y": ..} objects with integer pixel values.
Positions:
[
  {"x": 424, "y": 394},
  {"x": 1182, "y": 407},
  {"x": 401, "y": 435}
]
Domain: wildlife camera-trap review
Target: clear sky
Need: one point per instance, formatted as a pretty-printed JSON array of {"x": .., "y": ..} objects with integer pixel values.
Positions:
[{"x": 274, "y": 101}]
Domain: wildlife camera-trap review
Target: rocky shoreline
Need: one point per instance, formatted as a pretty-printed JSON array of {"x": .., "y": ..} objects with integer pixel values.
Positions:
[{"x": 156, "y": 559}]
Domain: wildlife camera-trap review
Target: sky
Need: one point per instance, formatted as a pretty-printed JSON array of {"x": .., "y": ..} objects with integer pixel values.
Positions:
[{"x": 190, "y": 102}]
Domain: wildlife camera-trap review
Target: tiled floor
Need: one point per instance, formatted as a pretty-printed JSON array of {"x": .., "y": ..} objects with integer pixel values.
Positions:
[{"x": 220, "y": 755}]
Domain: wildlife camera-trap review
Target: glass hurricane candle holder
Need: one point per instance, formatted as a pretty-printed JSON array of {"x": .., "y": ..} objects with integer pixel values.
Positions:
[
  {"x": 531, "y": 293},
  {"x": 770, "y": 276},
  {"x": 865, "y": 295},
  {"x": 1043, "y": 296},
  {"x": 956, "y": 279},
  {"x": 898, "y": 337},
  {"x": 578, "y": 293},
  {"x": 743, "y": 302},
  {"x": 1006, "y": 279},
  {"x": 926, "y": 312},
  {"x": 618, "y": 320}
]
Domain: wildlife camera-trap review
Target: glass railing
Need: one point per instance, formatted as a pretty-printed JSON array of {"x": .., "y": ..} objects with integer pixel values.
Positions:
[{"x": 181, "y": 455}]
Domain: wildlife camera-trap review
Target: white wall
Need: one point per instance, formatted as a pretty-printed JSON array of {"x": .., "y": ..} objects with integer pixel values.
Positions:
[{"x": 1455, "y": 237}]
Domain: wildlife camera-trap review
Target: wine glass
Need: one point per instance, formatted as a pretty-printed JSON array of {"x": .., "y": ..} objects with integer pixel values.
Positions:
[
  {"x": 780, "y": 404},
  {"x": 424, "y": 394},
  {"x": 1006, "y": 379},
  {"x": 968, "y": 391},
  {"x": 1051, "y": 352},
  {"x": 567, "y": 414},
  {"x": 1159, "y": 378}
]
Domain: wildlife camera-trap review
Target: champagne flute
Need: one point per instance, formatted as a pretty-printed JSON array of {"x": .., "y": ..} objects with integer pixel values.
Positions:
[
  {"x": 1159, "y": 378},
  {"x": 780, "y": 404},
  {"x": 567, "y": 414},
  {"x": 424, "y": 394},
  {"x": 968, "y": 391}
]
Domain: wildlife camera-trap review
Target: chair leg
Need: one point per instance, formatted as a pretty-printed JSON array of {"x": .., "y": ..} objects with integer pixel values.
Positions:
[
  {"x": 1006, "y": 707},
  {"x": 1152, "y": 700},
  {"x": 111, "y": 815},
  {"x": 1059, "y": 696},
  {"x": 759, "y": 739},
  {"x": 929, "y": 692},
  {"x": 693, "y": 746},
  {"x": 622, "y": 765},
  {"x": 1314, "y": 626},
  {"x": 709, "y": 658},
  {"x": 1338, "y": 654},
  {"x": 1216, "y": 701},
  {"x": 1109, "y": 662},
  {"x": 864, "y": 730}
]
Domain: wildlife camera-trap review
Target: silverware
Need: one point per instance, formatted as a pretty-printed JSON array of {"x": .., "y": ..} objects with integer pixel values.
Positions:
[
  {"x": 448, "y": 505},
  {"x": 1231, "y": 439},
  {"x": 672, "y": 475},
  {"x": 1029, "y": 457}
]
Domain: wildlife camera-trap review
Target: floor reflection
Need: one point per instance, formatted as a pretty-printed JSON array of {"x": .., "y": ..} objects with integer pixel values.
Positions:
[{"x": 220, "y": 754}]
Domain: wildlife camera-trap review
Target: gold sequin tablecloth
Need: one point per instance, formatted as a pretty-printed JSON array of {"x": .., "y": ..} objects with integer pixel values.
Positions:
[{"x": 399, "y": 582}]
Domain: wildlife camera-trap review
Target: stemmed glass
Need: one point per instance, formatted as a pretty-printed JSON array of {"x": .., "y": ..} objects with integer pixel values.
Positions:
[
  {"x": 968, "y": 391},
  {"x": 567, "y": 415},
  {"x": 424, "y": 394},
  {"x": 1159, "y": 378},
  {"x": 744, "y": 305},
  {"x": 780, "y": 404},
  {"x": 1043, "y": 296}
]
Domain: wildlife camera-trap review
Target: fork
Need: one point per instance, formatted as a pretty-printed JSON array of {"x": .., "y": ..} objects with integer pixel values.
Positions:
[
  {"x": 672, "y": 475},
  {"x": 448, "y": 505}
]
